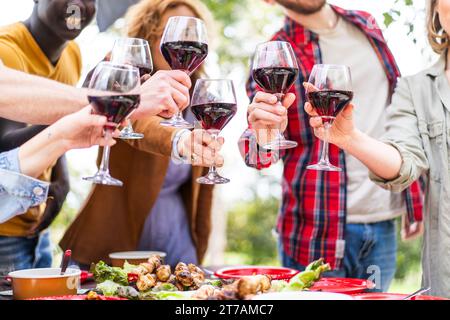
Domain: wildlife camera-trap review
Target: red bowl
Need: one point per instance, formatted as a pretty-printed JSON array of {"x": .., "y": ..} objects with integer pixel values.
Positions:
[
  {"x": 277, "y": 273},
  {"x": 342, "y": 285}
]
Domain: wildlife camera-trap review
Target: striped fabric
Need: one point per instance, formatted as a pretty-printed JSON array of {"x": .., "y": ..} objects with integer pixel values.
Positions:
[{"x": 313, "y": 211}]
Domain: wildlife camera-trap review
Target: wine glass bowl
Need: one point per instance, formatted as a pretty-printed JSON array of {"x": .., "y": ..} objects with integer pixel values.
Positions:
[
  {"x": 214, "y": 105},
  {"x": 114, "y": 92},
  {"x": 135, "y": 52},
  {"x": 329, "y": 92}
]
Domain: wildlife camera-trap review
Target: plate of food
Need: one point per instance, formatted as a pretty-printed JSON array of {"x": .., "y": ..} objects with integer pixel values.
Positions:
[{"x": 153, "y": 280}]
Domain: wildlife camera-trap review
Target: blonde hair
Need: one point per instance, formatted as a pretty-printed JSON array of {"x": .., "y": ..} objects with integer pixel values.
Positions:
[{"x": 437, "y": 36}]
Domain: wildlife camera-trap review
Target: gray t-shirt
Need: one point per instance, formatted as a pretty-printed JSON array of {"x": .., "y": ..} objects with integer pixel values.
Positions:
[{"x": 346, "y": 44}]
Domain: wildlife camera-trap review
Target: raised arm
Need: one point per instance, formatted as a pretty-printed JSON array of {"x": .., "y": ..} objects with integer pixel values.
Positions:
[
  {"x": 36, "y": 100},
  {"x": 398, "y": 159}
]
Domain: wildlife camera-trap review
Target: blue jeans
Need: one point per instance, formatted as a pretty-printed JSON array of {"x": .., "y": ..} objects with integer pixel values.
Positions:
[
  {"x": 18, "y": 253},
  {"x": 370, "y": 253}
]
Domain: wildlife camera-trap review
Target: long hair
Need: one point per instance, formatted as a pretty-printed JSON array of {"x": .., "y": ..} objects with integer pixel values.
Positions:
[
  {"x": 144, "y": 19},
  {"x": 437, "y": 37}
]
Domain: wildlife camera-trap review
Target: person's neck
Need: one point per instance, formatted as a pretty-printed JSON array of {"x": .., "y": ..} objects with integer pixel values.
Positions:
[
  {"x": 48, "y": 41},
  {"x": 324, "y": 19}
]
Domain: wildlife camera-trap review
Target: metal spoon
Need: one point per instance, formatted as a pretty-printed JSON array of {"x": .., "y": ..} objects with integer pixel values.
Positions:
[
  {"x": 416, "y": 293},
  {"x": 65, "y": 261}
]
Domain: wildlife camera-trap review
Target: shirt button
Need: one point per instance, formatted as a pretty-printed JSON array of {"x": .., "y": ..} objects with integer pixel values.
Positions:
[{"x": 38, "y": 191}]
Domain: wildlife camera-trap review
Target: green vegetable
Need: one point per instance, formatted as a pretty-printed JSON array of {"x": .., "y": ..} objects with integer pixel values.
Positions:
[
  {"x": 108, "y": 288},
  {"x": 163, "y": 295},
  {"x": 128, "y": 292},
  {"x": 314, "y": 265},
  {"x": 103, "y": 272},
  {"x": 128, "y": 267},
  {"x": 214, "y": 282},
  {"x": 278, "y": 285},
  {"x": 165, "y": 287},
  {"x": 306, "y": 279}
]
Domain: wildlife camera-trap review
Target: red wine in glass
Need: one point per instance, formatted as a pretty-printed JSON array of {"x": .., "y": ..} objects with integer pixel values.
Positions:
[
  {"x": 275, "y": 79},
  {"x": 215, "y": 115},
  {"x": 328, "y": 103},
  {"x": 184, "y": 55},
  {"x": 115, "y": 107},
  {"x": 143, "y": 70}
]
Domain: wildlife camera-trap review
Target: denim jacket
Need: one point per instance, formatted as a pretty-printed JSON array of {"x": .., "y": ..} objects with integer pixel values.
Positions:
[{"x": 17, "y": 191}]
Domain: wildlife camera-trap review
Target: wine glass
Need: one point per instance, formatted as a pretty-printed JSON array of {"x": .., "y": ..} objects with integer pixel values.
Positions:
[
  {"x": 275, "y": 70},
  {"x": 136, "y": 52},
  {"x": 114, "y": 92},
  {"x": 329, "y": 92},
  {"x": 214, "y": 105},
  {"x": 184, "y": 45}
]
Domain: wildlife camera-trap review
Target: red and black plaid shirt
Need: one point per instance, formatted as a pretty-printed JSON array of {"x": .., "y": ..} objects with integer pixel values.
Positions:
[{"x": 313, "y": 211}]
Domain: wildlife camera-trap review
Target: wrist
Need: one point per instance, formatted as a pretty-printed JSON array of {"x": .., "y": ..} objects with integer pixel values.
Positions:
[
  {"x": 355, "y": 138},
  {"x": 178, "y": 146}
]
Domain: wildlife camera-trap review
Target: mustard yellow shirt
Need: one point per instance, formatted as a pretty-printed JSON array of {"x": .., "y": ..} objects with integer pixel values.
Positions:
[{"x": 19, "y": 50}]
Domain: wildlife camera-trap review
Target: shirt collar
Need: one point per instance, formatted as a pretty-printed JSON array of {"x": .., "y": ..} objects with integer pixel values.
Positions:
[
  {"x": 302, "y": 35},
  {"x": 438, "y": 67}
]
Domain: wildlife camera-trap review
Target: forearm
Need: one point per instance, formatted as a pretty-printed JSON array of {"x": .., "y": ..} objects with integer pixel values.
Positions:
[
  {"x": 41, "y": 152},
  {"x": 37, "y": 100},
  {"x": 382, "y": 159}
]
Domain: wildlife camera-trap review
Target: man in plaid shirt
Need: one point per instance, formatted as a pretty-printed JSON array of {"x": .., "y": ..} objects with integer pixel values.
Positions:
[{"x": 341, "y": 216}]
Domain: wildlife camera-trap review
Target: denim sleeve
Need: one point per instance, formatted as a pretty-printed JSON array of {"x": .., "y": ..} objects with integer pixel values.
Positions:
[{"x": 18, "y": 192}]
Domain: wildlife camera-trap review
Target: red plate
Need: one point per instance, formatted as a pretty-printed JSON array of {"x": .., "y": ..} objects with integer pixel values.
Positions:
[
  {"x": 342, "y": 285},
  {"x": 391, "y": 296},
  {"x": 76, "y": 297},
  {"x": 277, "y": 273}
]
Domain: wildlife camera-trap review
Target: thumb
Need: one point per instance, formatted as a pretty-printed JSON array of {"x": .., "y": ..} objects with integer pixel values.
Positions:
[
  {"x": 94, "y": 120},
  {"x": 347, "y": 113},
  {"x": 288, "y": 100}
]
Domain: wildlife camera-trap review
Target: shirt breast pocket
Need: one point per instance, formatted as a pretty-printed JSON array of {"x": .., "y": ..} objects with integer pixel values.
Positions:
[{"x": 432, "y": 133}]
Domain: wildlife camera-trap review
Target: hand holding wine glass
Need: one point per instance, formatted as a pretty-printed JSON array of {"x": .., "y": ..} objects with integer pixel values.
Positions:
[
  {"x": 164, "y": 94},
  {"x": 342, "y": 130},
  {"x": 267, "y": 117},
  {"x": 200, "y": 147}
]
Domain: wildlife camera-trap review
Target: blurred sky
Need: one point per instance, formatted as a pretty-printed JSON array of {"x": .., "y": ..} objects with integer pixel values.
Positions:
[{"x": 94, "y": 45}]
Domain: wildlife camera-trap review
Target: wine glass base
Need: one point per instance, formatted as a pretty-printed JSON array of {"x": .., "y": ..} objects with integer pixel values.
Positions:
[
  {"x": 323, "y": 167},
  {"x": 212, "y": 179},
  {"x": 280, "y": 144},
  {"x": 177, "y": 124},
  {"x": 106, "y": 179},
  {"x": 131, "y": 136}
]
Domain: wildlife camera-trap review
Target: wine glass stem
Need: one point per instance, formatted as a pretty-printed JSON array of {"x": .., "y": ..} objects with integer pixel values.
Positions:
[
  {"x": 104, "y": 166},
  {"x": 213, "y": 169},
  {"x": 324, "y": 158}
]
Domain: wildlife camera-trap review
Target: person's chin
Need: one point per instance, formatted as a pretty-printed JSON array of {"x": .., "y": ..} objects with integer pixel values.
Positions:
[{"x": 70, "y": 34}]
